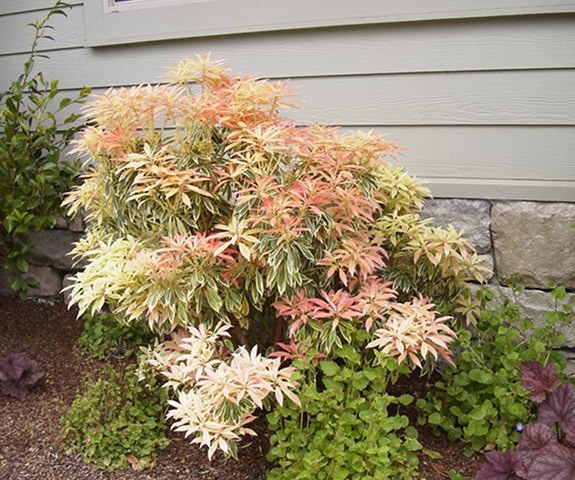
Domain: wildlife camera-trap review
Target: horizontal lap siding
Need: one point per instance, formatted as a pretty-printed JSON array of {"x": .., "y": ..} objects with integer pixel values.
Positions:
[
  {"x": 485, "y": 107},
  {"x": 463, "y": 98},
  {"x": 466, "y": 45},
  {"x": 17, "y": 35},
  {"x": 506, "y": 153}
]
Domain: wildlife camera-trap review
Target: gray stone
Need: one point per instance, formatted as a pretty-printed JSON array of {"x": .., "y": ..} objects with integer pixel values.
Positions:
[
  {"x": 77, "y": 225},
  {"x": 487, "y": 261},
  {"x": 51, "y": 247},
  {"x": 67, "y": 281},
  {"x": 74, "y": 225},
  {"x": 49, "y": 281},
  {"x": 534, "y": 242},
  {"x": 61, "y": 223},
  {"x": 471, "y": 216},
  {"x": 570, "y": 366}
]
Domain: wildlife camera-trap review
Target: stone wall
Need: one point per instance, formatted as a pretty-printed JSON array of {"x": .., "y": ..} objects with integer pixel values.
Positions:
[
  {"x": 532, "y": 243},
  {"x": 526, "y": 243},
  {"x": 49, "y": 259}
]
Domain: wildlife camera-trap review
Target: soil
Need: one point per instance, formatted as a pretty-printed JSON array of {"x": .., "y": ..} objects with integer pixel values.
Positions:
[{"x": 46, "y": 331}]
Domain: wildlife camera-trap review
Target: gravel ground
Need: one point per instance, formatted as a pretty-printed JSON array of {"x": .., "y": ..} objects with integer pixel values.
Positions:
[{"x": 29, "y": 441}]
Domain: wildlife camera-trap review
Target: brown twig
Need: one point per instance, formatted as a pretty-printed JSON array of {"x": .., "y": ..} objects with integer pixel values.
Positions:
[
  {"x": 278, "y": 330},
  {"x": 239, "y": 332}
]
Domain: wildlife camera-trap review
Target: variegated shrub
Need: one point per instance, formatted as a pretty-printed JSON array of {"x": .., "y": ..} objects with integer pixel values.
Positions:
[{"x": 208, "y": 210}]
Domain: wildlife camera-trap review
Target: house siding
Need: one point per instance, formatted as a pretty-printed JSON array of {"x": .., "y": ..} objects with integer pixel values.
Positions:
[{"x": 485, "y": 105}]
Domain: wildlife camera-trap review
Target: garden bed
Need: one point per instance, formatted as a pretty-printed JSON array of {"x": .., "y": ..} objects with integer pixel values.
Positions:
[{"x": 29, "y": 431}]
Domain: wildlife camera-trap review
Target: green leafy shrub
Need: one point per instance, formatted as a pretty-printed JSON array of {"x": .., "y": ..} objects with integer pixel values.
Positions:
[
  {"x": 481, "y": 400},
  {"x": 35, "y": 130},
  {"x": 116, "y": 421},
  {"x": 212, "y": 218},
  {"x": 104, "y": 337},
  {"x": 348, "y": 426}
]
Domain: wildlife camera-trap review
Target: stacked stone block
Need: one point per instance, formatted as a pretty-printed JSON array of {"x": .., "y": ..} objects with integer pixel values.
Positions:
[
  {"x": 528, "y": 243},
  {"x": 531, "y": 244},
  {"x": 49, "y": 260}
]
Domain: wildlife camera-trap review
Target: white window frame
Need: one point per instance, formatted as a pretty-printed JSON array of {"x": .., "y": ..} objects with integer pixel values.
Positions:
[{"x": 111, "y": 23}]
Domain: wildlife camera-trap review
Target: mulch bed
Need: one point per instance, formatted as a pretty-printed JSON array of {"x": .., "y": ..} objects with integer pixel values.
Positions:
[{"x": 46, "y": 331}]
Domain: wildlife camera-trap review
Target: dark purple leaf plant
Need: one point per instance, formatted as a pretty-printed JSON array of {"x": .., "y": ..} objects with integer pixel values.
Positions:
[
  {"x": 546, "y": 449},
  {"x": 18, "y": 374}
]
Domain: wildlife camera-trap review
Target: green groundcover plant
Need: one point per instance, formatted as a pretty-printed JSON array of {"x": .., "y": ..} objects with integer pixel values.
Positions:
[
  {"x": 103, "y": 337},
  {"x": 482, "y": 398},
  {"x": 348, "y": 425},
  {"x": 546, "y": 448},
  {"x": 116, "y": 421},
  {"x": 36, "y": 125},
  {"x": 215, "y": 220}
]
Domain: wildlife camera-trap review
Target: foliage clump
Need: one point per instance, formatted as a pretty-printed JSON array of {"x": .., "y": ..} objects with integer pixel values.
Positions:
[
  {"x": 116, "y": 421},
  {"x": 207, "y": 209},
  {"x": 216, "y": 395},
  {"x": 18, "y": 374},
  {"x": 546, "y": 448},
  {"x": 348, "y": 425},
  {"x": 482, "y": 398},
  {"x": 103, "y": 337},
  {"x": 37, "y": 125}
]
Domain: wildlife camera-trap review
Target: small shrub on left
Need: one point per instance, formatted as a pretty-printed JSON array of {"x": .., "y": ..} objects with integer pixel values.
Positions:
[
  {"x": 116, "y": 421},
  {"x": 36, "y": 125}
]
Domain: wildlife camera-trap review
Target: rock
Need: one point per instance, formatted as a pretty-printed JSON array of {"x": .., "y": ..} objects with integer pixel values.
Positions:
[
  {"x": 51, "y": 247},
  {"x": 534, "y": 243},
  {"x": 77, "y": 225},
  {"x": 471, "y": 216},
  {"x": 61, "y": 223},
  {"x": 67, "y": 281},
  {"x": 74, "y": 225},
  {"x": 570, "y": 367},
  {"x": 49, "y": 281},
  {"x": 487, "y": 261}
]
